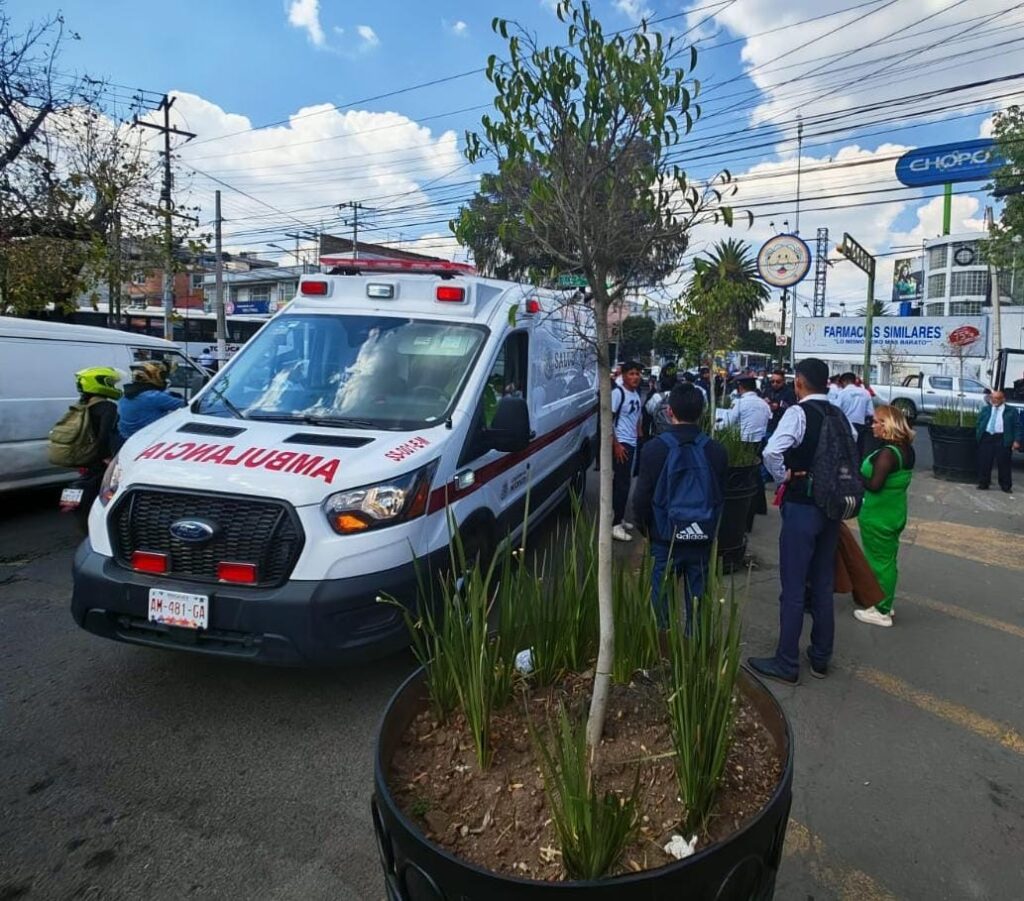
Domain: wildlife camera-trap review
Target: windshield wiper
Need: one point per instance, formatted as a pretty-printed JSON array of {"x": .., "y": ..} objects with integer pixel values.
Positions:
[
  {"x": 219, "y": 391},
  {"x": 332, "y": 421}
]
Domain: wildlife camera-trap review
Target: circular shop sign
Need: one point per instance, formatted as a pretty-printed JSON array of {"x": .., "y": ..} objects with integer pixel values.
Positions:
[
  {"x": 964, "y": 336},
  {"x": 784, "y": 260},
  {"x": 963, "y": 256}
]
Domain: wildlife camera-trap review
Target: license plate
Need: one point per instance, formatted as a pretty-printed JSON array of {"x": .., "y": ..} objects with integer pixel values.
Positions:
[
  {"x": 176, "y": 608},
  {"x": 71, "y": 496}
]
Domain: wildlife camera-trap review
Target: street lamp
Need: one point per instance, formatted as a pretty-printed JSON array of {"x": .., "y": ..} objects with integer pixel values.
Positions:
[{"x": 294, "y": 253}]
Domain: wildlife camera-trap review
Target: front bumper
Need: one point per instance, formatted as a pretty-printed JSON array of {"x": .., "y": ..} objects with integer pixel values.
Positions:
[{"x": 299, "y": 623}]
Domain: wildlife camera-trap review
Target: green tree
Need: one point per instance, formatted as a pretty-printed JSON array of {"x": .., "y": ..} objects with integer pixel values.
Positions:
[
  {"x": 591, "y": 121},
  {"x": 1007, "y": 233},
  {"x": 879, "y": 308},
  {"x": 636, "y": 337},
  {"x": 709, "y": 325},
  {"x": 667, "y": 340},
  {"x": 733, "y": 262},
  {"x": 760, "y": 342}
]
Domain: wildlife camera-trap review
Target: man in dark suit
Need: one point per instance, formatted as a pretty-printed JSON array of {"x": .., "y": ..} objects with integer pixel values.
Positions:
[{"x": 1000, "y": 432}]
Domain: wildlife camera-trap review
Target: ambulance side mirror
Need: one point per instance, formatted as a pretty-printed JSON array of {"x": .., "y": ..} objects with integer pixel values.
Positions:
[{"x": 510, "y": 428}]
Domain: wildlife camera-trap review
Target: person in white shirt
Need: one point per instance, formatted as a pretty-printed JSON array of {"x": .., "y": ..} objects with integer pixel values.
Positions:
[
  {"x": 626, "y": 419},
  {"x": 749, "y": 412},
  {"x": 833, "y": 390},
  {"x": 855, "y": 402},
  {"x": 807, "y": 542}
]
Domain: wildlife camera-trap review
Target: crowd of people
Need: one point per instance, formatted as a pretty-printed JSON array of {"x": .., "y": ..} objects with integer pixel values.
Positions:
[{"x": 815, "y": 429}]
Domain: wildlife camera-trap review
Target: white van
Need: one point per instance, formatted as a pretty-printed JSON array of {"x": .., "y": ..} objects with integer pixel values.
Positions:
[
  {"x": 38, "y": 362},
  {"x": 317, "y": 471}
]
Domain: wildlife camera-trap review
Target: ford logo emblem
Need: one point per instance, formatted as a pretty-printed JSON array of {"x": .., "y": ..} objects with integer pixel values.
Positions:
[{"x": 193, "y": 531}]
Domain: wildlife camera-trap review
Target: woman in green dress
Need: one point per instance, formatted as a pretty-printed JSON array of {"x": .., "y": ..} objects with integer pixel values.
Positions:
[{"x": 886, "y": 473}]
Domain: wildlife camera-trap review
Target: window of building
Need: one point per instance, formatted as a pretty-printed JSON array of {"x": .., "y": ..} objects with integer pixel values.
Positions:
[
  {"x": 965, "y": 308},
  {"x": 196, "y": 281},
  {"x": 937, "y": 284},
  {"x": 259, "y": 294},
  {"x": 935, "y": 309},
  {"x": 970, "y": 283},
  {"x": 937, "y": 256},
  {"x": 965, "y": 253}
]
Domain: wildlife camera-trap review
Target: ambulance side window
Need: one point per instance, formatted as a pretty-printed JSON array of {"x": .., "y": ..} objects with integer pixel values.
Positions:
[{"x": 507, "y": 378}]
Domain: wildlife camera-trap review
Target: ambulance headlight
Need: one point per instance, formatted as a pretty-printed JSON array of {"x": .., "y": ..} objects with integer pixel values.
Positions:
[
  {"x": 381, "y": 504},
  {"x": 111, "y": 481}
]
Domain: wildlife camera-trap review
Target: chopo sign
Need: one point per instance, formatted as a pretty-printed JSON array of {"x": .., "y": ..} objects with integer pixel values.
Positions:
[{"x": 963, "y": 336}]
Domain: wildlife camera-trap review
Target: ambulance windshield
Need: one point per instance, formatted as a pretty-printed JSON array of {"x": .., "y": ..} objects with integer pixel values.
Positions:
[{"x": 372, "y": 372}]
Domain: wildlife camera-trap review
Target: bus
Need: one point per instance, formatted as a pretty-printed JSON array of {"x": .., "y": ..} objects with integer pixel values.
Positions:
[{"x": 195, "y": 331}]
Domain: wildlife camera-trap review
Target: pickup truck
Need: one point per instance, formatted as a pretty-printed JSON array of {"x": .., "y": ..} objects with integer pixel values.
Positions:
[{"x": 927, "y": 393}]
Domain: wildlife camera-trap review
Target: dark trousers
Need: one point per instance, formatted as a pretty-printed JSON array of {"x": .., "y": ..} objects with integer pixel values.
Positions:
[
  {"x": 622, "y": 478},
  {"x": 864, "y": 439},
  {"x": 690, "y": 564},
  {"x": 807, "y": 551},
  {"x": 991, "y": 447}
]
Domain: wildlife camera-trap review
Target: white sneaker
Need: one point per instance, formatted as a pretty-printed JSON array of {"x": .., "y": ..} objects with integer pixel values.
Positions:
[
  {"x": 628, "y": 526},
  {"x": 620, "y": 534},
  {"x": 873, "y": 617}
]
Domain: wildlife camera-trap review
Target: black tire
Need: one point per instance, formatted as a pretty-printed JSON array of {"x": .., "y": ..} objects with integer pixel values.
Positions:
[
  {"x": 906, "y": 407},
  {"x": 477, "y": 542}
]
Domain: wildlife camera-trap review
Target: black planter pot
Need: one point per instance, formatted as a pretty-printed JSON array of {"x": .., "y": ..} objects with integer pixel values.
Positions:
[
  {"x": 954, "y": 453},
  {"x": 741, "y": 487},
  {"x": 741, "y": 868}
]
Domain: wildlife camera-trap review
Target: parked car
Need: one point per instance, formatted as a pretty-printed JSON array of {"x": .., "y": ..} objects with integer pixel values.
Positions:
[
  {"x": 924, "y": 394},
  {"x": 38, "y": 362}
]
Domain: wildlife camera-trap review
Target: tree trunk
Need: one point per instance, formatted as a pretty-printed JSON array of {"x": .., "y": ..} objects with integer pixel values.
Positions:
[{"x": 606, "y": 643}]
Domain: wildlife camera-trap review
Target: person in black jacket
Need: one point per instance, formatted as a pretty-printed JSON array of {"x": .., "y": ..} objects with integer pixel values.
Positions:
[{"x": 692, "y": 559}]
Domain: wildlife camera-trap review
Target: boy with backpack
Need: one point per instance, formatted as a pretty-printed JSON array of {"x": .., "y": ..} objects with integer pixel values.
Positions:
[
  {"x": 813, "y": 456},
  {"x": 678, "y": 499},
  {"x": 626, "y": 430}
]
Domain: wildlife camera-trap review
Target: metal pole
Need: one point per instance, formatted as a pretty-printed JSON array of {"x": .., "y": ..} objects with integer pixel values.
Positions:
[
  {"x": 947, "y": 207},
  {"x": 997, "y": 313},
  {"x": 799, "y": 170},
  {"x": 168, "y": 281},
  {"x": 869, "y": 323},
  {"x": 218, "y": 296}
]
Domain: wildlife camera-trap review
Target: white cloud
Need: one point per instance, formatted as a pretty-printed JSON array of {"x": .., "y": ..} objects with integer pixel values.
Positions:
[
  {"x": 368, "y": 35},
  {"x": 459, "y": 29},
  {"x": 633, "y": 9},
  {"x": 837, "y": 71},
  {"x": 306, "y": 14},
  {"x": 986, "y": 128},
  {"x": 322, "y": 157}
]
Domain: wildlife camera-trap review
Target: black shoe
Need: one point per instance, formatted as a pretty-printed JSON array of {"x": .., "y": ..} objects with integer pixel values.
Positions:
[
  {"x": 770, "y": 668},
  {"x": 1008, "y": 490},
  {"x": 819, "y": 671},
  {"x": 983, "y": 488}
]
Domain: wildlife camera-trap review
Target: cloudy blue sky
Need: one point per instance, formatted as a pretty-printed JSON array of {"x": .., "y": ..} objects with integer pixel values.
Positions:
[{"x": 300, "y": 105}]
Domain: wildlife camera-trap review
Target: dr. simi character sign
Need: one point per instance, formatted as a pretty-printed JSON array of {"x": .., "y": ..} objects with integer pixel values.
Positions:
[{"x": 784, "y": 261}]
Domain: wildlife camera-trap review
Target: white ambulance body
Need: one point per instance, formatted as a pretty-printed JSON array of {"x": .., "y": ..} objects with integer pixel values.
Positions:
[{"x": 318, "y": 470}]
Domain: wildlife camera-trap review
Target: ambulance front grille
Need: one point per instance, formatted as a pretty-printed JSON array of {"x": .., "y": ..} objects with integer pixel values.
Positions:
[{"x": 264, "y": 532}]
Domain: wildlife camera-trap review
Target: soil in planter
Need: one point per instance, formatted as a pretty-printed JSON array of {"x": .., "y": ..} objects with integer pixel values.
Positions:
[{"x": 500, "y": 820}]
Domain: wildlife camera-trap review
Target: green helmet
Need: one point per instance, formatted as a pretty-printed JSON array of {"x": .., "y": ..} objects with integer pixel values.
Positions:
[{"x": 99, "y": 380}]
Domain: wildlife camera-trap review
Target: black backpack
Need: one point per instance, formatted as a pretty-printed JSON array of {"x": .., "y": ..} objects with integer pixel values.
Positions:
[{"x": 836, "y": 485}]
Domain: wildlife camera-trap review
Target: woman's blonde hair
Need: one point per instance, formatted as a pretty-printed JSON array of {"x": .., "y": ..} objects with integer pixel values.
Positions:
[{"x": 895, "y": 427}]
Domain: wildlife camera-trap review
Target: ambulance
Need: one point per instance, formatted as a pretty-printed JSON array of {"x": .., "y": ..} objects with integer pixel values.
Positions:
[{"x": 325, "y": 466}]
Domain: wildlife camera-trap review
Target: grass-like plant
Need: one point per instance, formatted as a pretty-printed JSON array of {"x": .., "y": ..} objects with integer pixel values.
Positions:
[
  {"x": 953, "y": 413},
  {"x": 636, "y": 628},
  {"x": 739, "y": 452},
  {"x": 594, "y": 829},
  {"x": 703, "y": 670}
]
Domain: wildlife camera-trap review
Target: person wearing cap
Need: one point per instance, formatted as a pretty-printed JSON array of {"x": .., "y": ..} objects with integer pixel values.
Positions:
[
  {"x": 146, "y": 399},
  {"x": 808, "y": 538}
]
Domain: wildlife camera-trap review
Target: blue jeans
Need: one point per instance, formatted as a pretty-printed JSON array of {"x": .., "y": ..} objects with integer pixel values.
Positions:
[
  {"x": 689, "y": 564},
  {"x": 807, "y": 552}
]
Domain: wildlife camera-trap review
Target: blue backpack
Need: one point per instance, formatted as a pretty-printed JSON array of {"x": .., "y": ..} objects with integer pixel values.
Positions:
[{"x": 687, "y": 498}]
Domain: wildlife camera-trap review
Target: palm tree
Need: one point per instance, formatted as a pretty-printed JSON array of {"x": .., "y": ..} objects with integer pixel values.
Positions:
[
  {"x": 878, "y": 309},
  {"x": 732, "y": 261}
]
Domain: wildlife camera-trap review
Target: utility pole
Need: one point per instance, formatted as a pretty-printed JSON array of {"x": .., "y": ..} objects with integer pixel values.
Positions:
[
  {"x": 355, "y": 206},
  {"x": 796, "y": 231},
  {"x": 167, "y": 203},
  {"x": 218, "y": 296},
  {"x": 298, "y": 260}
]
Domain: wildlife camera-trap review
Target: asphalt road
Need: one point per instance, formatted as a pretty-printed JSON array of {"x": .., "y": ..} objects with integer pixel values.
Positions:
[{"x": 133, "y": 773}]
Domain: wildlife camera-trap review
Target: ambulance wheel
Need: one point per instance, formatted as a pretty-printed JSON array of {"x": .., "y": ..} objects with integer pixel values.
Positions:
[
  {"x": 578, "y": 482},
  {"x": 477, "y": 543}
]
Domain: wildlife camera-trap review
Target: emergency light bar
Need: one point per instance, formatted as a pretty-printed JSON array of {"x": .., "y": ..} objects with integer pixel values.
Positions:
[{"x": 355, "y": 265}]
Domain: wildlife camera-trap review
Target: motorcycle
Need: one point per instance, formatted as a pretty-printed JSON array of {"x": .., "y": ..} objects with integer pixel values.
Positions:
[{"x": 77, "y": 498}]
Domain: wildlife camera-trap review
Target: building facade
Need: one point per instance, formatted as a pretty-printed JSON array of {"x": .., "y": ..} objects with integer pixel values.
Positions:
[{"x": 957, "y": 280}]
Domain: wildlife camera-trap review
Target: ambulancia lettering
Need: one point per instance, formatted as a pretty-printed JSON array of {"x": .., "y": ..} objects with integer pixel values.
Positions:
[
  {"x": 398, "y": 454},
  {"x": 313, "y": 465}
]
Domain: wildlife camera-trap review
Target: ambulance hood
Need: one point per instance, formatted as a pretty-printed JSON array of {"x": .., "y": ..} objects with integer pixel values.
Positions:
[{"x": 298, "y": 463}]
